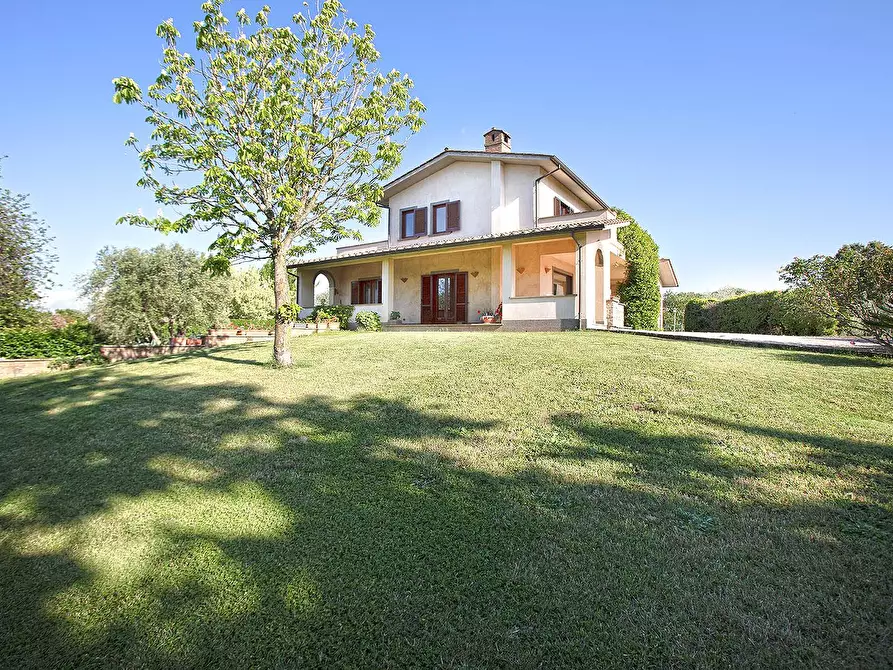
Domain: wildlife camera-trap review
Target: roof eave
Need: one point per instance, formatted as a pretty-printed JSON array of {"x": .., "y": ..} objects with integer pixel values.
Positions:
[{"x": 395, "y": 251}]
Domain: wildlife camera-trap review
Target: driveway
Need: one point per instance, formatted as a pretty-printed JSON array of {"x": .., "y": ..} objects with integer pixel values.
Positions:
[{"x": 823, "y": 344}]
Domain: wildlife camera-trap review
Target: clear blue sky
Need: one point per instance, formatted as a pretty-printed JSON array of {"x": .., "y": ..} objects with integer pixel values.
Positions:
[{"x": 740, "y": 134}]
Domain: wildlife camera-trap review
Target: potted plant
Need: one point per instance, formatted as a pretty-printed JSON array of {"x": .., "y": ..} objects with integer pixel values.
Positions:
[
  {"x": 178, "y": 340},
  {"x": 396, "y": 317},
  {"x": 488, "y": 317}
]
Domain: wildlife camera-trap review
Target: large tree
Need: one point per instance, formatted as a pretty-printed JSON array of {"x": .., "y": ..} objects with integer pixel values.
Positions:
[
  {"x": 854, "y": 286},
  {"x": 134, "y": 295},
  {"x": 285, "y": 135},
  {"x": 26, "y": 260}
]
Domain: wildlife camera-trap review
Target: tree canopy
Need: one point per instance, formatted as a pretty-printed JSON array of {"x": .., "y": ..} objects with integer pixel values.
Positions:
[
  {"x": 26, "y": 260},
  {"x": 854, "y": 286},
  {"x": 134, "y": 295},
  {"x": 284, "y": 135}
]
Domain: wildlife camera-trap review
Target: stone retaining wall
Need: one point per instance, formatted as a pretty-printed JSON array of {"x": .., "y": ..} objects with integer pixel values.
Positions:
[{"x": 21, "y": 367}]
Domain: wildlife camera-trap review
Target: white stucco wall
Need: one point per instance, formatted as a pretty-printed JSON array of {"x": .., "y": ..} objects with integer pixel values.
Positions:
[
  {"x": 467, "y": 182},
  {"x": 549, "y": 189},
  {"x": 518, "y": 210}
]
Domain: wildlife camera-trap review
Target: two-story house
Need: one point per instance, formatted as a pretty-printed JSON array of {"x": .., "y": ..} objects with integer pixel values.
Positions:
[{"x": 470, "y": 231}]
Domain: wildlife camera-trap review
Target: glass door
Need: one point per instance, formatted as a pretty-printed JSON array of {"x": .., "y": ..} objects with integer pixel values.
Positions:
[{"x": 445, "y": 298}]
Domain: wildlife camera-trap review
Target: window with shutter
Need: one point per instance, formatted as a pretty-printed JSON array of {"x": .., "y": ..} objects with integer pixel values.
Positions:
[
  {"x": 561, "y": 208},
  {"x": 365, "y": 292},
  {"x": 427, "y": 297},
  {"x": 421, "y": 221},
  {"x": 453, "y": 216},
  {"x": 461, "y": 297}
]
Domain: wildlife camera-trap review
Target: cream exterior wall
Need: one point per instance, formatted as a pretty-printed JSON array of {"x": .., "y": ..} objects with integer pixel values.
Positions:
[
  {"x": 407, "y": 295},
  {"x": 549, "y": 189},
  {"x": 467, "y": 182},
  {"x": 534, "y": 258}
]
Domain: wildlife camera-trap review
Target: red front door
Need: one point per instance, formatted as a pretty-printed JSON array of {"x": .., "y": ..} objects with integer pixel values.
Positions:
[{"x": 444, "y": 297}]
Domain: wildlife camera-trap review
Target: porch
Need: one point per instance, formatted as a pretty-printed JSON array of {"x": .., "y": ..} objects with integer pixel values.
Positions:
[{"x": 547, "y": 283}]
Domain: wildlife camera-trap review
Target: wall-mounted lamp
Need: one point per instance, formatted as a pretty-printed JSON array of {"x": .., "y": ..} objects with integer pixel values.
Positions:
[
  {"x": 404, "y": 279},
  {"x": 520, "y": 271},
  {"x": 474, "y": 273}
]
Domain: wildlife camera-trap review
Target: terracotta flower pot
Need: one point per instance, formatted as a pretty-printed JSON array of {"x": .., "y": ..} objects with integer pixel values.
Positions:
[{"x": 488, "y": 318}]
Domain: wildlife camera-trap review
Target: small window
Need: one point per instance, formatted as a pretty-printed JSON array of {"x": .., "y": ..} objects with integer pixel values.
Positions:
[
  {"x": 562, "y": 283},
  {"x": 365, "y": 292},
  {"x": 561, "y": 208},
  {"x": 407, "y": 223},
  {"x": 440, "y": 218},
  {"x": 413, "y": 222}
]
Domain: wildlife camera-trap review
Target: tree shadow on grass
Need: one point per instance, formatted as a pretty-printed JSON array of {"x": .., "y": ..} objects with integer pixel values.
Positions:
[
  {"x": 835, "y": 360},
  {"x": 148, "y": 522}
]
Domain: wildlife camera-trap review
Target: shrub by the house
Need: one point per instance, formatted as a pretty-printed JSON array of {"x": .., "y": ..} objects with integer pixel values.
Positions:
[
  {"x": 341, "y": 312},
  {"x": 369, "y": 320},
  {"x": 640, "y": 293}
]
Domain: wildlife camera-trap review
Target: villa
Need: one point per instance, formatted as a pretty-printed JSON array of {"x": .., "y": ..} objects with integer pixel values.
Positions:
[{"x": 472, "y": 233}]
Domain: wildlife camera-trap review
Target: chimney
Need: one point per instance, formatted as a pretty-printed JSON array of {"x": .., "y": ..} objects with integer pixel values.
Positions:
[{"x": 497, "y": 141}]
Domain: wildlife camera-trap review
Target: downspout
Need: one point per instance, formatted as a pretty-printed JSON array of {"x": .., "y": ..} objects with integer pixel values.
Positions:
[
  {"x": 536, "y": 194},
  {"x": 579, "y": 282}
]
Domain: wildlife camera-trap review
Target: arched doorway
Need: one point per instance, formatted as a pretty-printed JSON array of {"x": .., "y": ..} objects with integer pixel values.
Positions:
[{"x": 323, "y": 289}]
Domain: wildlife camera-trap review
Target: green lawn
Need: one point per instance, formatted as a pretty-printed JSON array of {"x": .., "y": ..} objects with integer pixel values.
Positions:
[{"x": 451, "y": 500}]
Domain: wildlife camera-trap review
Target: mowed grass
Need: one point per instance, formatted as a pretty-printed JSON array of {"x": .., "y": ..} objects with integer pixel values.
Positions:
[{"x": 451, "y": 500}]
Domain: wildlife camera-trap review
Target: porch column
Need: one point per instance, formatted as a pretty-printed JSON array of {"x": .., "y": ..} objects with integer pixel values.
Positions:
[
  {"x": 508, "y": 275},
  {"x": 588, "y": 283},
  {"x": 306, "y": 299},
  {"x": 605, "y": 280},
  {"x": 387, "y": 288}
]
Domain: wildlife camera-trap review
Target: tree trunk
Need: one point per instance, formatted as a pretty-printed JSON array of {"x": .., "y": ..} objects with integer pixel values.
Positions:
[
  {"x": 155, "y": 339},
  {"x": 281, "y": 352}
]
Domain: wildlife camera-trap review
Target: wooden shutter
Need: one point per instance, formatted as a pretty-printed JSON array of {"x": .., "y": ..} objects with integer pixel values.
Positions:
[
  {"x": 427, "y": 297},
  {"x": 461, "y": 297},
  {"x": 379, "y": 300},
  {"x": 354, "y": 293},
  {"x": 421, "y": 221},
  {"x": 556, "y": 207},
  {"x": 452, "y": 216}
]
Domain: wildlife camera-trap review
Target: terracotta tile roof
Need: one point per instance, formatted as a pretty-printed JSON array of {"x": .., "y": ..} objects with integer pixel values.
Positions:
[{"x": 593, "y": 223}]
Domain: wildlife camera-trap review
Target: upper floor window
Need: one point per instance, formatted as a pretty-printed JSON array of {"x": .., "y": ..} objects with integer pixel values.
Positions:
[
  {"x": 413, "y": 222},
  {"x": 561, "y": 208},
  {"x": 445, "y": 216}
]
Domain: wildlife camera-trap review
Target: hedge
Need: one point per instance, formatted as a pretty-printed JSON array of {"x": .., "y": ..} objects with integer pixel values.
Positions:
[
  {"x": 77, "y": 341},
  {"x": 767, "y": 313}
]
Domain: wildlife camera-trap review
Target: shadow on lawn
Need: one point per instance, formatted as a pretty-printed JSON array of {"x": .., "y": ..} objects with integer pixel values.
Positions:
[
  {"x": 149, "y": 522},
  {"x": 835, "y": 360}
]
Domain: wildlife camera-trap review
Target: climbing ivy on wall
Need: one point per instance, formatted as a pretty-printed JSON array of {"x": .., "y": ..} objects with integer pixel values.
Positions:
[{"x": 640, "y": 292}]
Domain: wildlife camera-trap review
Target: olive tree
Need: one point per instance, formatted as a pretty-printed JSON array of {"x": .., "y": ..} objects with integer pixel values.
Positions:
[{"x": 282, "y": 136}]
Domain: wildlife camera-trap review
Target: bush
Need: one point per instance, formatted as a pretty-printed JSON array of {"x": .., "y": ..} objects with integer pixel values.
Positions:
[
  {"x": 341, "y": 312},
  {"x": 77, "y": 342},
  {"x": 368, "y": 320},
  {"x": 767, "y": 313}
]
